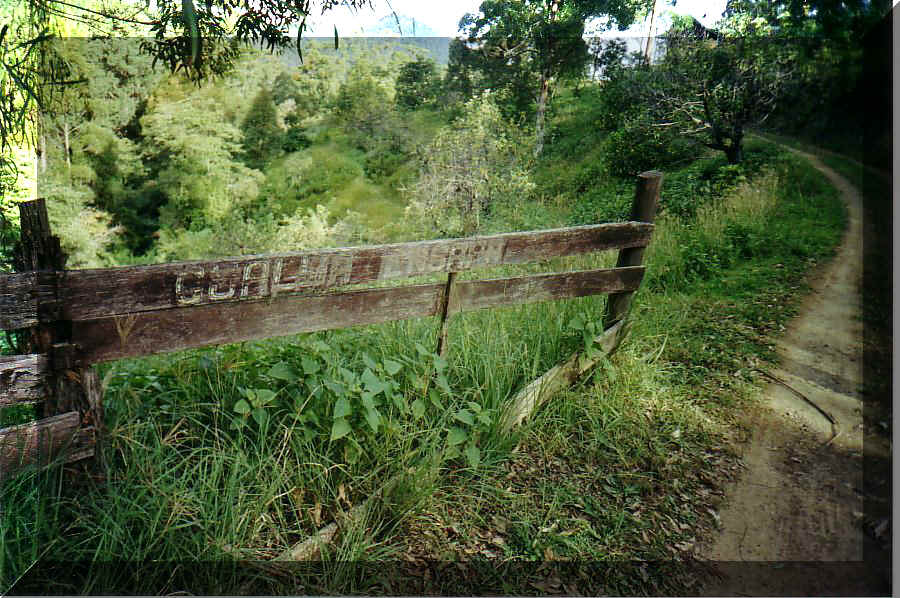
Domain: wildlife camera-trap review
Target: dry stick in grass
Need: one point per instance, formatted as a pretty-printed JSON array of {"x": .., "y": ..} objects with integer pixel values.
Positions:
[{"x": 561, "y": 376}]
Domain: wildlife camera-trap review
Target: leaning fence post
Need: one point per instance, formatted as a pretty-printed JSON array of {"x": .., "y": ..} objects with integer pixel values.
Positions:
[
  {"x": 643, "y": 209},
  {"x": 71, "y": 387},
  {"x": 445, "y": 314}
]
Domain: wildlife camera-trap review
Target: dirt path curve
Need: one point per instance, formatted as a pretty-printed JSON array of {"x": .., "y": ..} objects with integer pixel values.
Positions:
[{"x": 794, "y": 523}]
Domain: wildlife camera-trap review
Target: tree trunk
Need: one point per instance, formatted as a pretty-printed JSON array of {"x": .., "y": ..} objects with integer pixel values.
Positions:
[
  {"x": 43, "y": 142},
  {"x": 66, "y": 140},
  {"x": 541, "y": 115},
  {"x": 735, "y": 152},
  {"x": 650, "y": 33},
  {"x": 544, "y": 95}
]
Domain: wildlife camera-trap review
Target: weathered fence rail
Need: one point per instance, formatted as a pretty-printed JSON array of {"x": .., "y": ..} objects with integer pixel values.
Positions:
[{"x": 73, "y": 319}]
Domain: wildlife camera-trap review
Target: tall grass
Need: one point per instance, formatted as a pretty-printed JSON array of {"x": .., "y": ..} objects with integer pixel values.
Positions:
[{"x": 612, "y": 470}]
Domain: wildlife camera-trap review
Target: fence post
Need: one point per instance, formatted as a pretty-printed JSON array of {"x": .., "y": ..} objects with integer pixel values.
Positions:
[
  {"x": 444, "y": 315},
  {"x": 643, "y": 209},
  {"x": 71, "y": 388}
]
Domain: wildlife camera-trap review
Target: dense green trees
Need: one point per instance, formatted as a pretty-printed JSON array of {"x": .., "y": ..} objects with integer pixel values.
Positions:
[
  {"x": 715, "y": 89},
  {"x": 523, "y": 47},
  {"x": 418, "y": 84}
]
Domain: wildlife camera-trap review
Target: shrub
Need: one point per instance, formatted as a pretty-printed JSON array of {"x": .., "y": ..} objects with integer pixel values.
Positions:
[
  {"x": 641, "y": 144},
  {"x": 476, "y": 162},
  {"x": 417, "y": 84},
  {"x": 294, "y": 140}
]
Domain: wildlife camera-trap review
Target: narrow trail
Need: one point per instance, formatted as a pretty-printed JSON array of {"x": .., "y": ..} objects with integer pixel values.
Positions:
[{"x": 794, "y": 524}]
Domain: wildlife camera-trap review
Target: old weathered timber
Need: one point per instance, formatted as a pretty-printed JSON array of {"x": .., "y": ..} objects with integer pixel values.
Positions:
[
  {"x": 70, "y": 389},
  {"x": 88, "y": 294},
  {"x": 560, "y": 377},
  {"x": 482, "y": 294},
  {"x": 643, "y": 209},
  {"x": 40, "y": 441},
  {"x": 444, "y": 314},
  {"x": 147, "y": 333},
  {"x": 38, "y": 248},
  {"x": 23, "y": 379}
]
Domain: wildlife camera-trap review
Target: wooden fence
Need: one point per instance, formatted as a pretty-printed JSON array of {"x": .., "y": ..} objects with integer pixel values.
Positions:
[{"x": 72, "y": 319}]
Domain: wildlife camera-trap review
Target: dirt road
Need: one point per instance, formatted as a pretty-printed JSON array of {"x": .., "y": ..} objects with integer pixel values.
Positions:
[{"x": 795, "y": 522}]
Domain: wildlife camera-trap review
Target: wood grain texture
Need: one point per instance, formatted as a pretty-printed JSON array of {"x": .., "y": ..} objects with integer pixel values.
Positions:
[
  {"x": 560, "y": 377},
  {"x": 643, "y": 209},
  {"x": 133, "y": 335},
  {"x": 482, "y": 294},
  {"x": 23, "y": 379},
  {"x": 26, "y": 298},
  {"x": 89, "y": 294},
  {"x": 41, "y": 441}
]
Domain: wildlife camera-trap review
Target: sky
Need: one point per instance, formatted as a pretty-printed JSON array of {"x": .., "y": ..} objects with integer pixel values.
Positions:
[{"x": 443, "y": 16}]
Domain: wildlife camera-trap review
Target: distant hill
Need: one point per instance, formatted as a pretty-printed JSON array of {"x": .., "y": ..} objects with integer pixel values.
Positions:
[
  {"x": 387, "y": 27},
  {"x": 438, "y": 48}
]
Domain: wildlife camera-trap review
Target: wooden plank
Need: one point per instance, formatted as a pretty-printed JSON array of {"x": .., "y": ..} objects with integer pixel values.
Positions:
[
  {"x": 41, "y": 441},
  {"x": 26, "y": 298},
  {"x": 23, "y": 379},
  {"x": 561, "y": 376},
  {"x": 116, "y": 337},
  {"x": 88, "y": 294},
  {"x": 444, "y": 314},
  {"x": 481, "y": 294}
]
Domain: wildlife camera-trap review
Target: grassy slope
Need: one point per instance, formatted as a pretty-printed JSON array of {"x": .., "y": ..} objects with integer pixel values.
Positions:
[{"x": 627, "y": 466}]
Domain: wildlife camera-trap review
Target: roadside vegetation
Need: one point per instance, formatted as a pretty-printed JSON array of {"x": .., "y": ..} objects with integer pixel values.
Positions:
[
  {"x": 238, "y": 452},
  {"x": 221, "y": 459}
]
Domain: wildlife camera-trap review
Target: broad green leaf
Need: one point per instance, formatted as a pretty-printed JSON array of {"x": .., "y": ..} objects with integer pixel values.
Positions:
[
  {"x": 342, "y": 408},
  {"x": 310, "y": 366},
  {"x": 422, "y": 350},
  {"x": 392, "y": 367},
  {"x": 418, "y": 408},
  {"x": 440, "y": 364},
  {"x": 465, "y": 416},
  {"x": 282, "y": 371},
  {"x": 441, "y": 381},
  {"x": 373, "y": 383},
  {"x": 484, "y": 417},
  {"x": 368, "y": 400},
  {"x": 260, "y": 415},
  {"x": 473, "y": 455},
  {"x": 349, "y": 376},
  {"x": 399, "y": 403},
  {"x": 264, "y": 396},
  {"x": 370, "y": 363},
  {"x": 339, "y": 429},
  {"x": 373, "y": 418},
  {"x": 336, "y": 387},
  {"x": 474, "y": 406},
  {"x": 577, "y": 323},
  {"x": 435, "y": 398},
  {"x": 456, "y": 436},
  {"x": 242, "y": 407}
]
